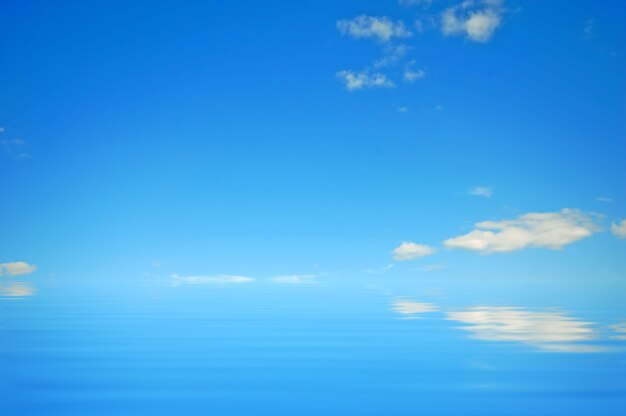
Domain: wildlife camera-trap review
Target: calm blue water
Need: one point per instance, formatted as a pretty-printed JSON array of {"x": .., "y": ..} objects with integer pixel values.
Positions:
[{"x": 356, "y": 348}]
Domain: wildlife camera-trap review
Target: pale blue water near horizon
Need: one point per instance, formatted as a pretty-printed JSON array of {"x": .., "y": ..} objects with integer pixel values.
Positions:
[{"x": 367, "y": 346}]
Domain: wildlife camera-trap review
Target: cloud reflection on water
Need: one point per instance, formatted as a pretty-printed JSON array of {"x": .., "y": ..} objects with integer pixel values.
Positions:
[
  {"x": 547, "y": 330},
  {"x": 17, "y": 290},
  {"x": 409, "y": 307}
]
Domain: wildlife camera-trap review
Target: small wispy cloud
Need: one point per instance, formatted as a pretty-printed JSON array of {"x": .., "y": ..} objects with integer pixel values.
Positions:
[
  {"x": 14, "y": 148},
  {"x": 380, "y": 269},
  {"x": 294, "y": 279},
  {"x": 381, "y": 28},
  {"x": 392, "y": 55},
  {"x": 403, "y": 109},
  {"x": 412, "y": 75},
  {"x": 408, "y": 3},
  {"x": 551, "y": 230},
  {"x": 588, "y": 29},
  {"x": 220, "y": 279},
  {"x": 16, "y": 268},
  {"x": 476, "y": 20},
  {"x": 619, "y": 229},
  {"x": 365, "y": 79},
  {"x": 412, "y": 251},
  {"x": 484, "y": 191},
  {"x": 432, "y": 267},
  {"x": 604, "y": 199}
]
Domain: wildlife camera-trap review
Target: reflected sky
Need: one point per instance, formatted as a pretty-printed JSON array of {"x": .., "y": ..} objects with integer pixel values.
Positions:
[{"x": 312, "y": 208}]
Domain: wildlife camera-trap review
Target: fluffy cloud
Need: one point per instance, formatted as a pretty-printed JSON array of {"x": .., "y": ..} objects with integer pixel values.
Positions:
[
  {"x": 359, "y": 80},
  {"x": 412, "y": 251},
  {"x": 546, "y": 330},
  {"x": 408, "y": 307},
  {"x": 551, "y": 230},
  {"x": 476, "y": 20},
  {"x": 382, "y": 28},
  {"x": 210, "y": 280},
  {"x": 485, "y": 191},
  {"x": 619, "y": 229},
  {"x": 16, "y": 268},
  {"x": 294, "y": 279}
]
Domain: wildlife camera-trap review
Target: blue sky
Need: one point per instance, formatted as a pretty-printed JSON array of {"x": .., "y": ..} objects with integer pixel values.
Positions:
[{"x": 284, "y": 138}]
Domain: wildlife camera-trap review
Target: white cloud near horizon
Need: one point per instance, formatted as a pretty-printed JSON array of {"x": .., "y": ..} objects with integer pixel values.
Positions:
[
  {"x": 551, "y": 230},
  {"x": 412, "y": 251},
  {"x": 485, "y": 191},
  {"x": 294, "y": 279},
  {"x": 354, "y": 80},
  {"x": 16, "y": 268},
  {"x": 209, "y": 280},
  {"x": 547, "y": 330},
  {"x": 619, "y": 229},
  {"x": 476, "y": 20},
  {"x": 381, "y": 28}
]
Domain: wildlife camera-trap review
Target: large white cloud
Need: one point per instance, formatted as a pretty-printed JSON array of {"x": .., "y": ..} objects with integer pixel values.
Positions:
[
  {"x": 475, "y": 20},
  {"x": 551, "y": 230},
  {"x": 619, "y": 229},
  {"x": 358, "y": 80},
  {"x": 16, "y": 268},
  {"x": 382, "y": 28},
  {"x": 411, "y": 251},
  {"x": 547, "y": 330}
]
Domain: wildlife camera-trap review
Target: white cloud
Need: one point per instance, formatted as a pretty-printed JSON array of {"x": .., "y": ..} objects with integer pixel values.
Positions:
[
  {"x": 382, "y": 28},
  {"x": 210, "y": 280},
  {"x": 547, "y": 330},
  {"x": 16, "y": 268},
  {"x": 294, "y": 279},
  {"x": 407, "y": 307},
  {"x": 604, "y": 199},
  {"x": 485, "y": 191},
  {"x": 359, "y": 80},
  {"x": 551, "y": 230},
  {"x": 17, "y": 290},
  {"x": 411, "y": 251},
  {"x": 476, "y": 20},
  {"x": 412, "y": 76},
  {"x": 619, "y": 229},
  {"x": 403, "y": 109}
]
